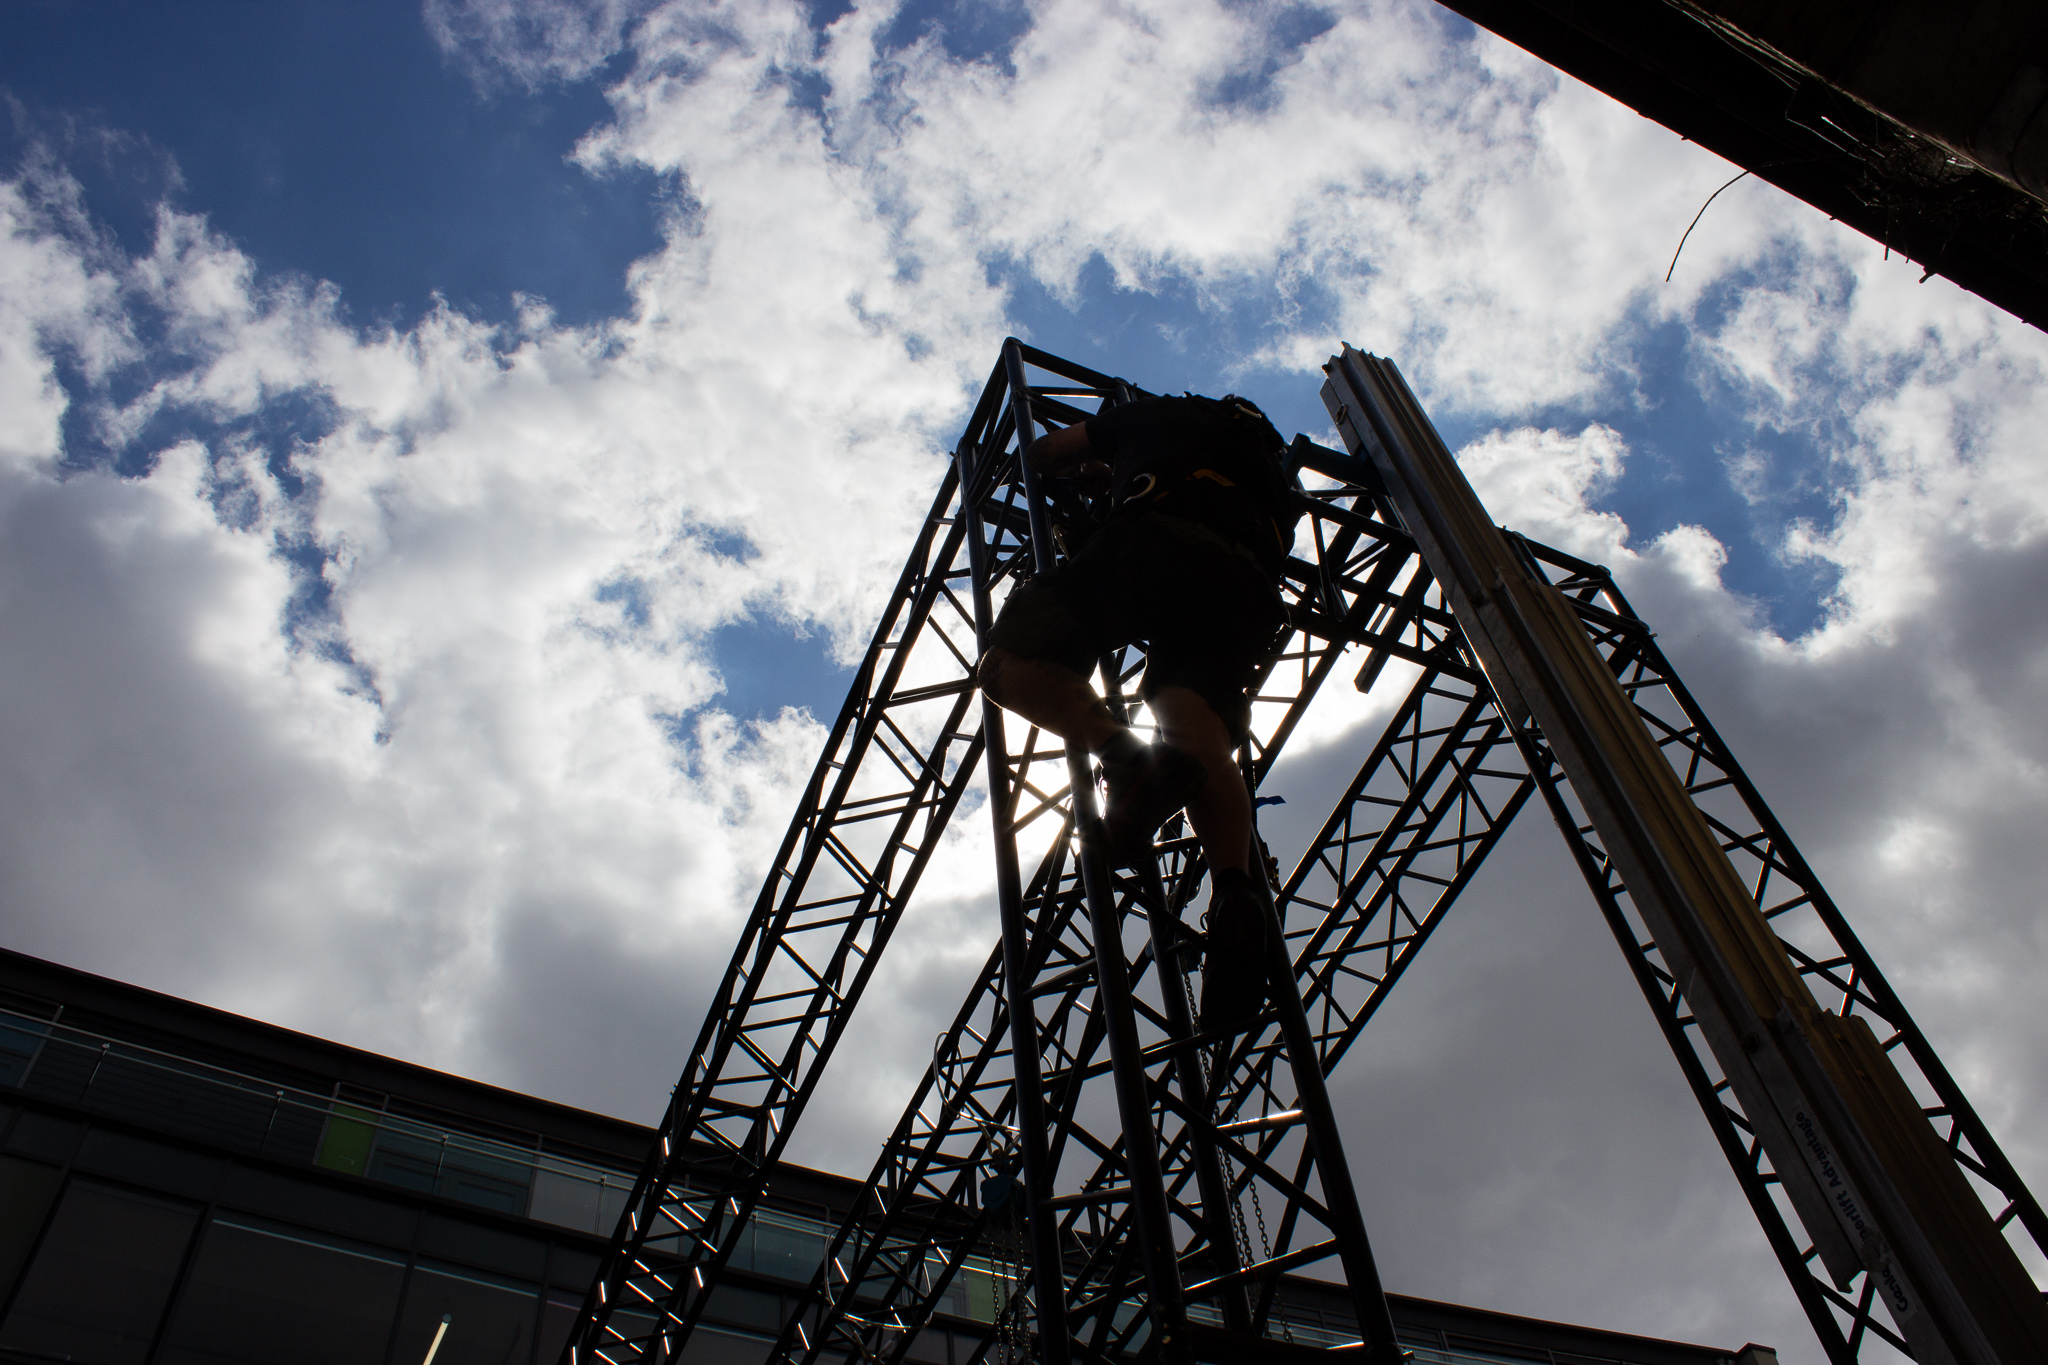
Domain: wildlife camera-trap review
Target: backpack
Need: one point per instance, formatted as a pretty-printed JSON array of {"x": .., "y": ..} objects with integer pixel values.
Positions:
[{"x": 1242, "y": 481}]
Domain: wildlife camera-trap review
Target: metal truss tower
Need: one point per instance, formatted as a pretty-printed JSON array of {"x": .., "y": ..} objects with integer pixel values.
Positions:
[{"x": 1148, "y": 1183}]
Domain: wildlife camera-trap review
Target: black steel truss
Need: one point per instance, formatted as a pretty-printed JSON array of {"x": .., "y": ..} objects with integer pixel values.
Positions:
[
  {"x": 1762, "y": 989},
  {"x": 1416, "y": 821},
  {"x": 901, "y": 754},
  {"x": 1171, "y": 1229},
  {"x": 1227, "y": 1146},
  {"x": 1822, "y": 947}
]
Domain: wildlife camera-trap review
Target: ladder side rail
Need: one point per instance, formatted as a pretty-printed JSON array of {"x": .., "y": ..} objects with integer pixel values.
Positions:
[
  {"x": 1162, "y": 1273},
  {"x": 1169, "y": 935},
  {"x": 1168, "y": 938},
  {"x": 1880, "y": 1196},
  {"x": 1037, "y": 1170},
  {"x": 1341, "y": 1213}
]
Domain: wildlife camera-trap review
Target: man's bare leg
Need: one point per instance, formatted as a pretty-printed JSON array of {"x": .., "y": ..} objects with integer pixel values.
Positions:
[
  {"x": 1052, "y": 697},
  {"x": 1222, "y": 811},
  {"x": 1056, "y": 698},
  {"x": 1147, "y": 784},
  {"x": 1234, "y": 973}
]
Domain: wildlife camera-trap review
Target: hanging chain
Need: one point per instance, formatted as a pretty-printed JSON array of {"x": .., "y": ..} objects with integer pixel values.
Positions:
[
  {"x": 1209, "y": 1058},
  {"x": 1015, "y": 1334},
  {"x": 1019, "y": 1344}
]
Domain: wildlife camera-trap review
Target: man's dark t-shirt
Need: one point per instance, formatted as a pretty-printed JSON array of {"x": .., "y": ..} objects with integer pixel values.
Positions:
[{"x": 1205, "y": 464}]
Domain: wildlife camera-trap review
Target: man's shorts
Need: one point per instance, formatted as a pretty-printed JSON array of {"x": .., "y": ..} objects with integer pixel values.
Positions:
[{"x": 1206, "y": 612}]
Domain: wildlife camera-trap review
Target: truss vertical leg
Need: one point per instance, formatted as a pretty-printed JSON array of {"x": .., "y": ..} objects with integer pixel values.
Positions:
[
  {"x": 1112, "y": 969},
  {"x": 1347, "y": 1224},
  {"x": 1041, "y": 1221},
  {"x": 1170, "y": 940}
]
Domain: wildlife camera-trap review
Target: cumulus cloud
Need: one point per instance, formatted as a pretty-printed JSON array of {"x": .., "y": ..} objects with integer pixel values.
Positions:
[
  {"x": 362, "y": 679},
  {"x": 441, "y": 653}
]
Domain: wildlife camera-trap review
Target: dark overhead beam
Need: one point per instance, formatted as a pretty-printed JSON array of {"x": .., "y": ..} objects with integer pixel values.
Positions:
[{"x": 1705, "y": 80}]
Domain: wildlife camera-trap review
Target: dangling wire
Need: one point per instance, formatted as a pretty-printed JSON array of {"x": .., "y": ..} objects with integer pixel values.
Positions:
[{"x": 1693, "y": 224}]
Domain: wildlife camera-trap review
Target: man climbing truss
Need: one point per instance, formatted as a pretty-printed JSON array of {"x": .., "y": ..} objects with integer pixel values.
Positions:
[{"x": 1187, "y": 560}]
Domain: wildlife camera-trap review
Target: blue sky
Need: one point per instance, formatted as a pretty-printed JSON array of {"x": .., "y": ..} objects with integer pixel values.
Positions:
[
  {"x": 336, "y": 140},
  {"x": 340, "y": 143},
  {"x": 437, "y": 442}
]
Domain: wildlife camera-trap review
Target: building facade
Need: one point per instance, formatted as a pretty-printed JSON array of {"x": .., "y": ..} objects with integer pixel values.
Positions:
[{"x": 182, "y": 1186}]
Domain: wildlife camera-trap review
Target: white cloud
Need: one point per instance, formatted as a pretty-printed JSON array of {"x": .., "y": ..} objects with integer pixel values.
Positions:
[
  {"x": 409, "y": 736},
  {"x": 482, "y": 705}
]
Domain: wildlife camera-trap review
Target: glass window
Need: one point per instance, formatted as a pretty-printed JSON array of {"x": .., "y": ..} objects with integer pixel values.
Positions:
[
  {"x": 407, "y": 1161},
  {"x": 312, "y": 1204},
  {"x": 611, "y": 1204},
  {"x": 96, "y": 1291},
  {"x": 491, "y": 1180},
  {"x": 490, "y": 1321},
  {"x": 451, "y": 1167},
  {"x": 787, "y": 1248},
  {"x": 709, "y": 1346},
  {"x": 346, "y": 1141},
  {"x": 264, "y": 1293},
  {"x": 20, "y": 1042},
  {"x": 27, "y": 1189},
  {"x": 572, "y": 1267},
  {"x": 454, "y": 1239},
  {"x": 745, "y": 1307},
  {"x": 564, "y": 1199},
  {"x": 151, "y": 1164},
  {"x": 557, "y": 1317},
  {"x": 45, "y": 1136}
]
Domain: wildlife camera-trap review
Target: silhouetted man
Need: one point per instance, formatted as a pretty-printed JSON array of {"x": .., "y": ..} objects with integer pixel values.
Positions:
[{"x": 1188, "y": 561}]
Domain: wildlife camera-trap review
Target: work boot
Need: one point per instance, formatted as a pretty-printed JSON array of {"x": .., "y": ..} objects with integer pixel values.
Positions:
[
  {"x": 1147, "y": 784},
  {"x": 1234, "y": 972}
]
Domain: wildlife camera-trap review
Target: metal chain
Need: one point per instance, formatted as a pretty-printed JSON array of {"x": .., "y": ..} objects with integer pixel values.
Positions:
[
  {"x": 1022, "y": 1333},
  {"x": 1209, "y": 1060},
  {"x": 1015, "y": 1333},
  {"x": 1266, "y": 1254}
]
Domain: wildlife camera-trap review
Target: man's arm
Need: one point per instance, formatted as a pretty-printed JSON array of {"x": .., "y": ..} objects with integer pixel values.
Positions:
[
  {"x": 1059, "y": 454},
  {"x": 1065, "y": 454}
]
